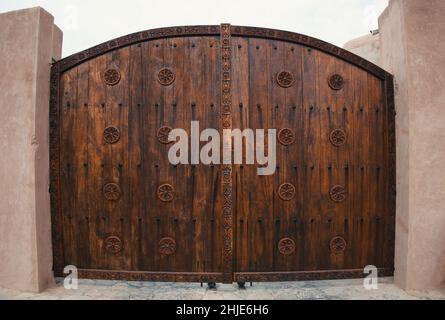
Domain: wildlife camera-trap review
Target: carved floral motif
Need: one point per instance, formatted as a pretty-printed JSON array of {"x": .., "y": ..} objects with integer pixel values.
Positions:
[
  {"x": 167, "y": 246},
  {"x": 112, "y": 191},
  {"x": 337, "y": 193},
  {"x": 337, "y": 137},
  {"x": 163, "y": 133},
  {"x": 166, "y": 77},
  {"x": 337, "y": 245},
  {"x": 286, "y": 191},
  {"x": 285, "y": 79},
  {"x": 111, "y": 135},
  {"x": 112, "y": 77},
  {"x": 336, "y": 82},
  {"x": 286, "y": 136},
  {"x": 165, "y": 192},
  {"x": 113, "y": 244},
  {"x": 286, "y": 246}
]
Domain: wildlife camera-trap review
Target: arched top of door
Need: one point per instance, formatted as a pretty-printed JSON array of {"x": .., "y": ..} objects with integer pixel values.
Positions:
[{"x": 214, "y": 30}]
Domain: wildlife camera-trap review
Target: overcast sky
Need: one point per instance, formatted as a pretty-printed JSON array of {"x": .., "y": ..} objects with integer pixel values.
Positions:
[{"x": 86, "y": 23}]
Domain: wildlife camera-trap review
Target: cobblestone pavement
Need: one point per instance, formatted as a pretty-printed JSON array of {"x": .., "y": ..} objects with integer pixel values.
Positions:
[{"x": 307, "y": 290}]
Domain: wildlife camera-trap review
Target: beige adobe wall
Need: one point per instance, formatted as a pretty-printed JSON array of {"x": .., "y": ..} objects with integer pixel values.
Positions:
[
  {"x": 28, "y": 42},
  {"x": 422, "y": 93},
  {"x": 412, "y": 46},
  {"x": 367, "y": 46},
  {"x": 394, "y": 59}
]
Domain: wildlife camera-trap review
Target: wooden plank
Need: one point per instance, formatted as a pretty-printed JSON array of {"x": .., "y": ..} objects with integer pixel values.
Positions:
[
  {"x": 262, "y": 200},
  {"x": 359, "y": 142},
  {"x": 312, "y": 154},
  {"x": 242, "y": 173},
  {"x": 117, "y": 106},
  {"x": 134, "y": 150},
  {"x": 80, "y": 130},
  {"x": 67, "y": 106},
  {"x": 96, "y": 160}
]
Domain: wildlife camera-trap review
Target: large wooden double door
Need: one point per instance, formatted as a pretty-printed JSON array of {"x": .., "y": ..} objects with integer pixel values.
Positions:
[{"x": 121, "y": 210}]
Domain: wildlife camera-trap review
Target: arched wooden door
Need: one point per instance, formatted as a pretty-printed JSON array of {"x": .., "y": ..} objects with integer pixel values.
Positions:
[{"x": 121, "y": 210}]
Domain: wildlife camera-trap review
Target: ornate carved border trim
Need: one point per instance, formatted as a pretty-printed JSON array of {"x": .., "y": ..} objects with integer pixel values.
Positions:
[
  {"x": 54, "y": 166},
  {"x": 391, "y": 113},
  {"x": 149, "y": 276},
  {"x": 179, "y": 31},
  {"x": 306, "y": 275},
  {"x": 134, "y": 38},
  {"x": 219, "y": 277},
  {"x": 226, "y": 170},
  {"x": 310, "y": 42}
]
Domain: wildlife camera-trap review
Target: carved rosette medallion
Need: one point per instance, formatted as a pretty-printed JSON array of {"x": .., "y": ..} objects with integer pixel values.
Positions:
[
  {"x": 113, "y": 244},
  {"x": 166, "y": 192},
  {"x": 163, "y": 133},
  {"x": 112, "y": 191},
  {"x": 285, "y": 79},
  {"x": 337, "y": 193},
  {"x": 337, "y": 245},
  {"x": 112, "y": 77},
  {"x": 337, "y": 137},
  {"x": 166, "y": 77},
  {"x": 286, "y": 246},
  {"x": 286, "y": 191},
  {"x": 111, "y": 135},
  {"x": 167, "y": 246},
  {"x": 286, "y": 136},
  {"x": 336, "y": 82}
]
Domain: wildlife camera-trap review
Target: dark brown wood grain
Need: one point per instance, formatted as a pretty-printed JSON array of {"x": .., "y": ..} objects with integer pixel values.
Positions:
[{"x": 222, "y": 222}]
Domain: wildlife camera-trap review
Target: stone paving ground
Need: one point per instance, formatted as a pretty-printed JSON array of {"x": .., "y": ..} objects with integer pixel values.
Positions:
[{"x": 306, "y": 290}]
